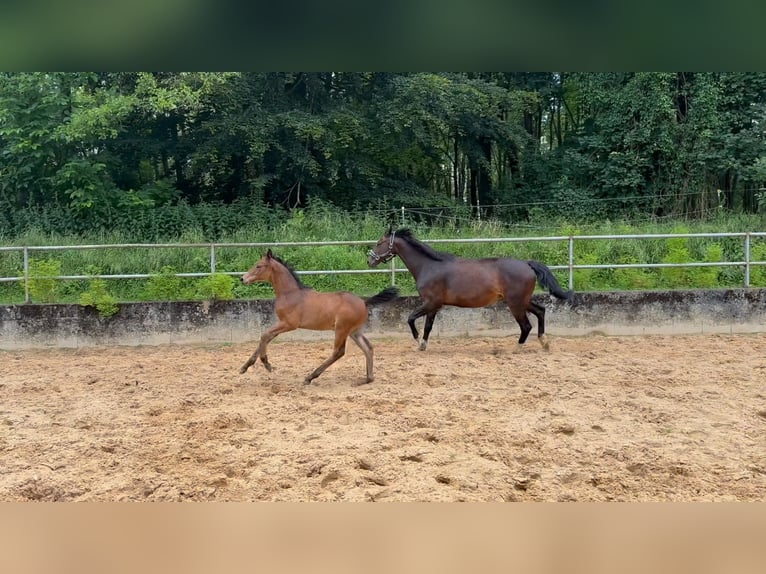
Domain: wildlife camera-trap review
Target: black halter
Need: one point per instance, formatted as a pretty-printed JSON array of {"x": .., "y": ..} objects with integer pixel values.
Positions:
[{"x": 388, "y": 255}]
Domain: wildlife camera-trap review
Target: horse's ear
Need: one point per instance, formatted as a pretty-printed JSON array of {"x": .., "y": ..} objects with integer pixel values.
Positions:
[{"x": 269, "y": 254}]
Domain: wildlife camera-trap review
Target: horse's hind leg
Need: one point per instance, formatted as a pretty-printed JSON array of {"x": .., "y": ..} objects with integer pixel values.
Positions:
[
  {"x": 364, "y": 344},
  {"x": 524, "y": 325},
  {"x": 539, "y": 312},
  {"x": 339, "y": 350}
]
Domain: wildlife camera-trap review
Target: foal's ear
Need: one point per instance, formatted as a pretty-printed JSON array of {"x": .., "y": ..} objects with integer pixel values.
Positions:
[{"x": 269, "y": 254}]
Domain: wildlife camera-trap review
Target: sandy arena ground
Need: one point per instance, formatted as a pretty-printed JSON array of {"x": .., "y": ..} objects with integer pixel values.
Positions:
[{"x": 597, "y": 418}]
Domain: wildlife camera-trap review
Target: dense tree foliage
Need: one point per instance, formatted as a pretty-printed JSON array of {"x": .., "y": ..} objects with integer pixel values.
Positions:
[{"x": 88, "y": 149}]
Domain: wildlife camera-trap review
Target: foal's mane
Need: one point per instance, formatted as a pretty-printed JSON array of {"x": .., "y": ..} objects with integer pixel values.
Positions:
[
  {"x": 291, "y": 270},
  {"x": 429, "y": 252}
]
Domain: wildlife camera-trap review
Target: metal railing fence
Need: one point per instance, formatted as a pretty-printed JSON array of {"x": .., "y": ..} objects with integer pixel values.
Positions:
[{"x": 571, "y": 266}]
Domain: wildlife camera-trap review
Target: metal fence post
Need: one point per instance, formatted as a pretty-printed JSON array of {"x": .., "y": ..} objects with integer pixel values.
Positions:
[
  {"x": 393, "y": 271},
  {"x": 26, "y": 275},
  {"x": 212, "y": 258},
  {"x": 747, "y": 259},
  {"x": 571, "y": 262}
]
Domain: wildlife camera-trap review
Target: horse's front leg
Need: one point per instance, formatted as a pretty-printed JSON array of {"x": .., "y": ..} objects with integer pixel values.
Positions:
[
  {"x": 416, "y": 314},
  {"x": 427, "y": 329},
  {"x": 260, "y": 352},
  {"x": 430, "y": 314}
]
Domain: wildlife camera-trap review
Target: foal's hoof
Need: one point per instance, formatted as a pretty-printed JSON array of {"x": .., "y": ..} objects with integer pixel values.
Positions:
[
  {"x": 518, "y": 348},
  {"x": 243, "y": 369},
  {"x": 307, "y": 381},
  {"x": 545, "y": 343},
  {"x": 268, "y": 366},
  {"x": 361, "y": 383},
  {"x": 423, "y": 345}
]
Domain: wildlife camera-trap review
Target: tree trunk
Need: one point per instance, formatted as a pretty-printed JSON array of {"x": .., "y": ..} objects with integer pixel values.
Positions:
[
  {"x": 728, "y": 182},
  {"x": 456, "y": 191},
  {"x": 473, "y": 192},
  {"x": 177, "y": 159},
  {"x": 484, "y": 184}
]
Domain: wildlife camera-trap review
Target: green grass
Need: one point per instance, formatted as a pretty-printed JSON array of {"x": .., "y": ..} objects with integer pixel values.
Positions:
[{"x": 324, "y": 223}]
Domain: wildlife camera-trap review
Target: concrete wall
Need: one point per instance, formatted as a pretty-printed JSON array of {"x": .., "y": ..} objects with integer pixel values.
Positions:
[{"x": 621, "y": 313}]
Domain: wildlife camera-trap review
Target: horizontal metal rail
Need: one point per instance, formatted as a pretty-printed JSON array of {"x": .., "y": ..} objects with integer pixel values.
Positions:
[{"x": 213, "y": 248}]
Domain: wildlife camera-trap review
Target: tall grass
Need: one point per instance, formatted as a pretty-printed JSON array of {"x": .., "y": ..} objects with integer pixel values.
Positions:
[{"x": 322, "y": 222}]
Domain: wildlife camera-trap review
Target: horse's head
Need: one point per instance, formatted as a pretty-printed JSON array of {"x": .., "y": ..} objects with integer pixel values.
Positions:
[
  {"x": 261, "y": 271},
  {"x": 384, "y": 249}
]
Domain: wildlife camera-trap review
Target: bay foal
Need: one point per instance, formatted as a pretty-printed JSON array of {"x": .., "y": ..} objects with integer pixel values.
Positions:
[{"x": 300, "y": 307}]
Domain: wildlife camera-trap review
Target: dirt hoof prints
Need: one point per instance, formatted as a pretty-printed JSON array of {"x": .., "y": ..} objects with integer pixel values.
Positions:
[{"x": 597, "y": 418}]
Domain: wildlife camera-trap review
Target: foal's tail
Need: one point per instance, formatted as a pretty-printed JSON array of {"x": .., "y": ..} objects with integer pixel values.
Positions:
[
  {"x": 547, "y": 280},
  {"x": 388, "y": 294}
]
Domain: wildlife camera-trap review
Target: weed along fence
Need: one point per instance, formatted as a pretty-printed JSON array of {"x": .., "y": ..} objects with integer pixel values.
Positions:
[{"x": 674, "y": 255}]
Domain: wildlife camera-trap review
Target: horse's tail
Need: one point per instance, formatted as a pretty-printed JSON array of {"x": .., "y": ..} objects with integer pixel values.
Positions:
[
  {"x": 547, "y": 280},
  {"x": 388, "y": 294}
]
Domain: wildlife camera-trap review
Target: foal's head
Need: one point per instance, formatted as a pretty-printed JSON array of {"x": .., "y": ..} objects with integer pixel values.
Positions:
[
  {"x": 263, "y": 270},
  {"x": 272, "y": 269}
]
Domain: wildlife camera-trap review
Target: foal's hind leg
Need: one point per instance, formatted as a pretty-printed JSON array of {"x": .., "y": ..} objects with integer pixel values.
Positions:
[
  {"x": 364, "y": 344},
  {"x": 539, "y": 312},
  {"x": 338, "y": 351}
]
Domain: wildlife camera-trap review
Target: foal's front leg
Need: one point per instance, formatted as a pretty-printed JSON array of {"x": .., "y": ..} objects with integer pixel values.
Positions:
[{"x": 260, "y": 352}]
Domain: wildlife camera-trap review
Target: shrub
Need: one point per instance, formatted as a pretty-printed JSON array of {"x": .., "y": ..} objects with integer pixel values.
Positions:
[
  {"x": 43, "y": 287},
  {"x": 678, "y": 252},
  {"x": 218, "y": 287},
  {"x": 706, "y": 277},
  {"x": 633, "y": 278},
  {"x": 165, "y": 286},
  {"x": 98, "y": 296},
  {"x": 758, "y": 272}
]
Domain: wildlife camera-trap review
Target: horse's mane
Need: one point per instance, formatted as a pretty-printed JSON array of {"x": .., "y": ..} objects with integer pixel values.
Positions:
[
  {"x": 429, "y": 252},
  {"x": 291, "y": 270}
]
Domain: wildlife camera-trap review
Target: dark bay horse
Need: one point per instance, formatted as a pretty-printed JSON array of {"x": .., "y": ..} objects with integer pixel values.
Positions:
[
  {"x": 300, "y": 307},
  {"x": 445, "y": 279}
]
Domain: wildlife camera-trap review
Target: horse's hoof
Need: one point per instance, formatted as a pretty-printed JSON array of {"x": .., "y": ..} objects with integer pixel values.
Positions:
[
  {"x": 545, "y": 343},
  {"x": 267, "y": 366},
  {"x": 423, "y": 345},
  {"x": 518, "y": 348},
  {"x": 306, "y": 381},
  {"x": 243, "y": 369}
]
